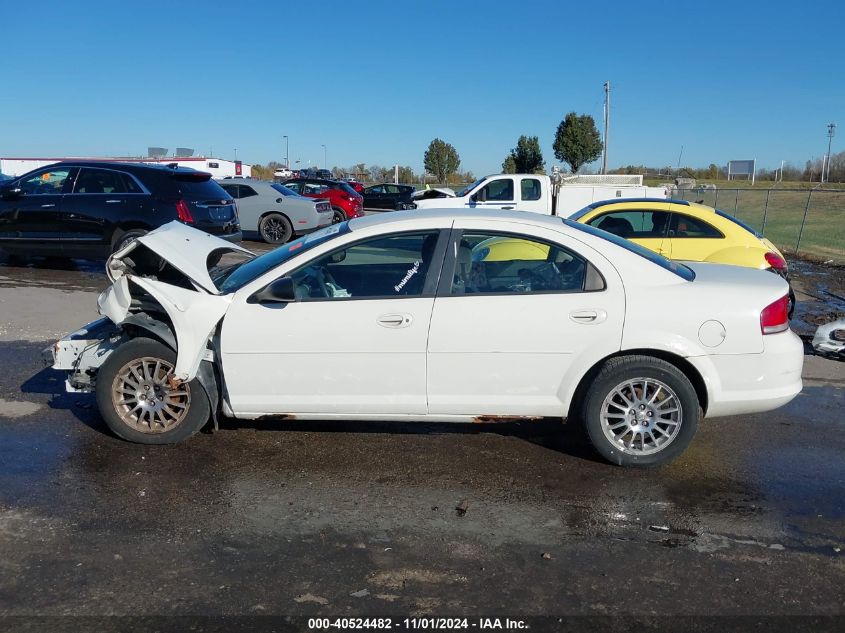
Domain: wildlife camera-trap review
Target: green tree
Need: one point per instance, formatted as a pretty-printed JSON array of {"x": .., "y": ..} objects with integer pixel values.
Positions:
[
  {"x": 577, "y": 141},
  {"x": 526, "y": 157},
  {"x": 442, "y": 160}
]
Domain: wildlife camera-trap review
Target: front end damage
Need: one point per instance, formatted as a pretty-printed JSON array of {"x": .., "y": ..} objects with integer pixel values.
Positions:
[{"x": 161, "y": 288}]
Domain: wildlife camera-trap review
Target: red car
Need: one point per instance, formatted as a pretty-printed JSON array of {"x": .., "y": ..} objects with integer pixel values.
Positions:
[
  {"x": 346, "y": 202},
  {"x": 357, "y": 186}
]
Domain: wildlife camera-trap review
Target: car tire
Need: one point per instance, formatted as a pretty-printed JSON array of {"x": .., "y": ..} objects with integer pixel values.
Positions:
[
  {"x": 275, "y": 228},
  {"x": 640, "y": 411},
  {"x": 126, "y": 237},
  {"x": 338, "y": 215},
  {"x": 165, "y": 415}
]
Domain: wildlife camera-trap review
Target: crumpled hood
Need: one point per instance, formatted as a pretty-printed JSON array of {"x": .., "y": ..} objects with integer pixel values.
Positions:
[{"x": 185, "y": 248}]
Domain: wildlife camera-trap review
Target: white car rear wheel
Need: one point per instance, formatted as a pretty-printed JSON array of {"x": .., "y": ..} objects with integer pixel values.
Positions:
[{"x": 640, "y": 411}]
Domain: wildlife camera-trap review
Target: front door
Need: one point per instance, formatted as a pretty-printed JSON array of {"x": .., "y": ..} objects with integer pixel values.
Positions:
[
  {"x": 498, "y": 193},
  {"x": 33, "y": 217},
  {"x": 353, "y": 342},
  {"x": 515, "y": 323}
]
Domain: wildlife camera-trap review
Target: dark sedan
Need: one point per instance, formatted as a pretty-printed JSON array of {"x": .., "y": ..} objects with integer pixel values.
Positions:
[{"x": 388, "y": 197}]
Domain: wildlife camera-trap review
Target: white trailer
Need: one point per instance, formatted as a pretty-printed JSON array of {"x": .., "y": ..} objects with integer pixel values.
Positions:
[
  {"x": 558, "y": 194},
  {"x": 217, "y": 167}
]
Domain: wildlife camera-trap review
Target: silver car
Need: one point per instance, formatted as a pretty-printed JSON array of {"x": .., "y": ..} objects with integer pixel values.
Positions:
[{"x": 274, "y": 212}]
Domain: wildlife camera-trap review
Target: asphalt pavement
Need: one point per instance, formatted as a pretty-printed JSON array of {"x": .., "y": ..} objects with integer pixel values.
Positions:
[{"x": 343, "y": 519}]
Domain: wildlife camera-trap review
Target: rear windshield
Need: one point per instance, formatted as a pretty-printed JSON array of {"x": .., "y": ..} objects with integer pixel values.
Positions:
[
  {"x": 679, "y": 269},
  {"x": 346, "y": 188},
  {"x": 202, "y": 190},
  {"x": 283, "y": 190},
  {"x": 727, "y": 216},
  {"x": 237, "y": 276}
]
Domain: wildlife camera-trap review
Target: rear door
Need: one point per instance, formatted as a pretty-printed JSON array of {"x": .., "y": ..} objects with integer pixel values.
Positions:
[
  {"x": 34, "y": 215},
  {"x": 518, "y": 317},
  {"x": 99, "y": 201},
  {"x": 531, "y": 195},
  {"x": 374, "y": 197}
]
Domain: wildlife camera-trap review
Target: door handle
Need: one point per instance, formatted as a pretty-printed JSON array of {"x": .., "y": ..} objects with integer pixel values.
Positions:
[
  {"x": 113, "y": 201},
  {"x": 507, "y": 208},
  {"x": 395, "y": 320},
  {"x": 48, "y": 206},
  {"x": 588, "y": 316}
]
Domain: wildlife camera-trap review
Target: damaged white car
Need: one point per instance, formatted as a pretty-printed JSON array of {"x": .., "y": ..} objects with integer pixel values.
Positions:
[{"x": 448, "y": 316}]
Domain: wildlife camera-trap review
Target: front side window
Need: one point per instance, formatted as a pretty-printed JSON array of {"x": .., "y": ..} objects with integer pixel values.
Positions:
[
  {"x": 499, "y": 190},
  {"x": 489, "y": 263},
  {"x": 642, "y": 224},
  {"x": 382, "y": 267},
  {"x": 530, "y": 189},
  {"x": 47, "y": 182}
]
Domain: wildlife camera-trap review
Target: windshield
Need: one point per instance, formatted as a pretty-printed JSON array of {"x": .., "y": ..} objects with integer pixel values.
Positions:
[
  {"x": 466, "y": 190},
  {"x": 283, "y": 190},
  {"x": 679, "y": 269},
  {"x": 238, "y": 275}
]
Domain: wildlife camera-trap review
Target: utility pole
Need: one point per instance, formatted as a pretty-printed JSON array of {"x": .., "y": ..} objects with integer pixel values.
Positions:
[
  {"x": 287, "y": 152},
  {"x": 831, "y": 130},
  {"x": 606, "y": 125},
  {"x": 325, "y": 162}
]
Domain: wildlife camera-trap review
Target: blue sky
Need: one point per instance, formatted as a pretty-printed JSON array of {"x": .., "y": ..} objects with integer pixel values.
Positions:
[{"x": 376, "y": 81}]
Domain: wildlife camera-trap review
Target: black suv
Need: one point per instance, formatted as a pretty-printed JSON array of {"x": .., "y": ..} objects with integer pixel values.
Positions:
[{"x": 93, "y": 208}]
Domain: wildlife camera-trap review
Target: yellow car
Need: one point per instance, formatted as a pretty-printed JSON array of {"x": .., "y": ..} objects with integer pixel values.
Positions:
[
  {"x": 682, "y": 230},
  {"x": 678, "y": 229}
]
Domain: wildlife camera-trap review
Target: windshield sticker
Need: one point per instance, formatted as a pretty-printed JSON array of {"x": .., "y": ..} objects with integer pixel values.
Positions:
[{"x": 413, "y": 270}]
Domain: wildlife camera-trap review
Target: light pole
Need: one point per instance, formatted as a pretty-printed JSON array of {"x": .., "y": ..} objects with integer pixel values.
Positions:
[
  {"x": 236, "y": 154},
  {"x": 325, "y": 162},
  {"x": 287, "y": 153},
  {"x": 831, "y": 130}
]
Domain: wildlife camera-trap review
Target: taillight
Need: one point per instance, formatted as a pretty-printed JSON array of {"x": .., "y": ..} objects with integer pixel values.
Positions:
[
  {"x": 776, "y": 261},
  {"x": 183, "y": 212},
  {"x": 775, "y": 316}
]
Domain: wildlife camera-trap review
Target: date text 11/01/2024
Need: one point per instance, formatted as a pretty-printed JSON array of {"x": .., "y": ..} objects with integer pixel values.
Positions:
[{"x": 431, "y": 623}]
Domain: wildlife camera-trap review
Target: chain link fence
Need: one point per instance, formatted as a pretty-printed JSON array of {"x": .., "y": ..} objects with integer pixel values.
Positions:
[{"x": 809, "y": 223}]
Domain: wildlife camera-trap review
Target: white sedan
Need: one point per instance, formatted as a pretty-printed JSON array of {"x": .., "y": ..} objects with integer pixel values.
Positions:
[{"x": 448, "y": 316}]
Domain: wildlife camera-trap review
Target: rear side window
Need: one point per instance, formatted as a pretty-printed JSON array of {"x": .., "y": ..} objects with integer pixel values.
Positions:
[
  {"x": 100, "y": 181},
  {"x": 679, "y": 269},
  {"x": 246, "y": 191},
  {"x": 492, "y": 263},
  {"x": 685, "y": 226},
  {"x": 530, "y": 189},
  {"x": 740, "y": 223}
]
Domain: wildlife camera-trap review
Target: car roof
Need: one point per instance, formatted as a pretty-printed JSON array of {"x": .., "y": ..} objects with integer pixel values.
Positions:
[
  {"x": 524, "y": 217},
  {"x": 125, "y": 166}
]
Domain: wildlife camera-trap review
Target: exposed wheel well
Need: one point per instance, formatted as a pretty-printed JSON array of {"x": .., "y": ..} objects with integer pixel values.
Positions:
[
  {"x": 683, "y": 365},
  {"x": 266, "y": 213}
]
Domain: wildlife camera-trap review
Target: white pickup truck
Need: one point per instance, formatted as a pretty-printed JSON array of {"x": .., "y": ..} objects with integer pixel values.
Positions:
[{"x": 558, "y": 194}]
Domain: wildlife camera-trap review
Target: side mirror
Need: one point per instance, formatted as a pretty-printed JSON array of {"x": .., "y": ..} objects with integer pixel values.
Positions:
[
  {"x": 481, "y": 196},
  {"x": 11, "y": 193},
  {"x": 338, "y": 256},
  {"x": 283, "y": 290}
]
